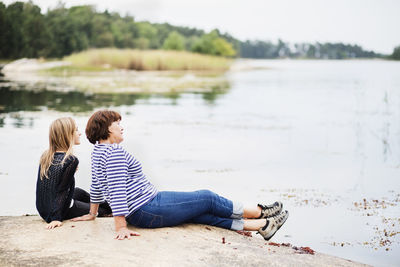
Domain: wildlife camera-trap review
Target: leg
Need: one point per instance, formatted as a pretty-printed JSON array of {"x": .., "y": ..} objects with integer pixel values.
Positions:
[
  {"x": 78, "y": 209},
  {"x": 263, "y": 211},
  {"x": 81, "y": 208},
  {"x": 249, "y": 225},
  {"x": 252, "y": 212},
  {"x": 254, "y": 225},
  {"x": 213, "y": 220},
  {"x": 174, "y": 208},
  {"x": 81, "y": 195}
]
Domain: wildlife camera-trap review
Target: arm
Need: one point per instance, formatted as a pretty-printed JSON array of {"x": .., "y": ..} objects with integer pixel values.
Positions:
[
  {"x": 94, "y": 207},
  {"x": 117, "y": 174},
  {"x": 121, "y": 228},
  {"x": 96, "y": 197},
  {"x": 120, "y": 223},
  {"x": 64, "y": 191},
  {"x": 53, "y": 224}
]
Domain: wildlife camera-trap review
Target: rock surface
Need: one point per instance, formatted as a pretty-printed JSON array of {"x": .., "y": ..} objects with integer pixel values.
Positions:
[
  {"x": 31, "y": 65},
  {"x": 26, "y": 242}
]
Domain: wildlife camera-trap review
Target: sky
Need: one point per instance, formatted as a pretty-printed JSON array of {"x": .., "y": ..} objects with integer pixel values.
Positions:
[{"x": 373, "y": 24}]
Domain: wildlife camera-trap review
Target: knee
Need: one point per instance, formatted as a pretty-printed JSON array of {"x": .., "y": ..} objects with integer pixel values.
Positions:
[
  {"x": 207, "y": 194},
  {"x": 78, "y": 192}
]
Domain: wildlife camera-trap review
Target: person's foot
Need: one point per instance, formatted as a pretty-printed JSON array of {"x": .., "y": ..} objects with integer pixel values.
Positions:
[
  {"x": 273, "y": 224},
  {"x": 268, "y": 211}
]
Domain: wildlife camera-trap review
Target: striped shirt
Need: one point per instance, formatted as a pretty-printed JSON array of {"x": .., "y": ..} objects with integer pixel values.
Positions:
[{"x": 117, "y": 176}]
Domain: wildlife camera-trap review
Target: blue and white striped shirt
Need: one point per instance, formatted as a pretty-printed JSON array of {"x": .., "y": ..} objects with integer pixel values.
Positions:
[{"x": 117, "y": 176}]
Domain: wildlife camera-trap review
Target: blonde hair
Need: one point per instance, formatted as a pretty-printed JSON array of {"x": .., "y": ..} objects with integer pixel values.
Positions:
[{"x": 61, "y": 138}]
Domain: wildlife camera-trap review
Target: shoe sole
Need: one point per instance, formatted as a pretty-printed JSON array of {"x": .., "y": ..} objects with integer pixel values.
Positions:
[
  {"x": 278, "y": 227},
  {"x": 272, "y": 234}
]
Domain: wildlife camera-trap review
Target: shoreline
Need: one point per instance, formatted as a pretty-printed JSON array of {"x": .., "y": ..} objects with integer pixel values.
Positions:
[{"x": 26, "y": 242}]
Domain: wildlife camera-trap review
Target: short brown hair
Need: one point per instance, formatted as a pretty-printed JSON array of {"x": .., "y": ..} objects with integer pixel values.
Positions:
[{"x": 98, "y": 123}]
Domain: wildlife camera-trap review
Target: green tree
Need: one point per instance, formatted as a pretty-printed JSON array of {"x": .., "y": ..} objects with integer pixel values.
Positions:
[
  {"x": 174, "y": 41},
  {"x": 149, "y": 32},
  {"x": 15, "y": 36},
  {"x": 34, "y": 31},
  {"x": 81, "y": 19},
  {"x": 396, "y": 53},
  {"x": 71, "y": 29},
  {"x": 105, "y": 39},
  {"x": 204, "y": 44},
  {"x": 102, "y": 34},
  {"x": 141, "y": 43},
  {"x": 223, "y": 48},
  {"x": 213, "y": 44},
  {"x": 4, "y": 31}
]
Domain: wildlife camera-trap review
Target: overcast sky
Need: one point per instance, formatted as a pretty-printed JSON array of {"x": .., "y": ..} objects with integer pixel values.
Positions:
[{"x": 373, "y": 24}]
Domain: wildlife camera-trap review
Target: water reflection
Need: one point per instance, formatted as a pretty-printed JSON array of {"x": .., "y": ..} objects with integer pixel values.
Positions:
[{"x": 22, "y": 99}]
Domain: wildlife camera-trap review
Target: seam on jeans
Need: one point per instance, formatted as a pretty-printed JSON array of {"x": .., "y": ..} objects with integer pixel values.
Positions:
[
  {"x": 155, "y": 217},
  {"x": 185, "y": 202},
  {"x": 203, "y": 199}
]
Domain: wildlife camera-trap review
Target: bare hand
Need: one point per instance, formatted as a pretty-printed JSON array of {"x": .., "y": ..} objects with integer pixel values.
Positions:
[
  {"x": 53, "y": 224},
  {"x": 125, "y": 233},
  {"x": 87, "y": 217}
]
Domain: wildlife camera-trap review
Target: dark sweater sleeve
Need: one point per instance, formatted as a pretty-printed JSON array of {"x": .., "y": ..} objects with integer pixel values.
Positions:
[{"x": 64, "y": 190}]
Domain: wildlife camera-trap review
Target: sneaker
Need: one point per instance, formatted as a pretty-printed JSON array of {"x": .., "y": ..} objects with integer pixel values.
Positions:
[
  {"x": 268, "y": 211},
  {"x": 273, "y": 224}
]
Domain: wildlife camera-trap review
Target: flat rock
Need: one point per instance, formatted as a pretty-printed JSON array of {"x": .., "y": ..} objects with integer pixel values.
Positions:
[
  {"x": 26, "y": 242},
  {"x": 31, "y": 64}
]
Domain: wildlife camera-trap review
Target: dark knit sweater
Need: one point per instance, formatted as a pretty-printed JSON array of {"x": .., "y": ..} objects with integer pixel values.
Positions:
[{"x": 54, "y": 194}]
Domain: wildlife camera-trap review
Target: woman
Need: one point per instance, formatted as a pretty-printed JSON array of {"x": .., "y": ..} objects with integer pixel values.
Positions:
[
  {"x": 117, "y": 176},
  {"x": 57, "y": 199}
]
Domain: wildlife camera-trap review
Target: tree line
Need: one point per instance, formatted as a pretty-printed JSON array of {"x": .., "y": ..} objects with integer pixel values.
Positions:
[
  {"x": 26, "y": 32},
  {"x": 260, "y": 49}
]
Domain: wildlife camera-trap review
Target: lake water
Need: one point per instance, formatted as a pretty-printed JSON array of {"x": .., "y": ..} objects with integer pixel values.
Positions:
[{"x": 321, "y": 136}]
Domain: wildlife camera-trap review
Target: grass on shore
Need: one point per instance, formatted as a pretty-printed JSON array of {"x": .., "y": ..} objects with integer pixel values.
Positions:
[
  {"x": 5, "y": 61},
  {"x": 147, "y": 60}
]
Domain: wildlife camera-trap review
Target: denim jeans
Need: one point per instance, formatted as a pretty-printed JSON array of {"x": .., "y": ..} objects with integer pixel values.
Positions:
[{"x": 174, "y": 208}]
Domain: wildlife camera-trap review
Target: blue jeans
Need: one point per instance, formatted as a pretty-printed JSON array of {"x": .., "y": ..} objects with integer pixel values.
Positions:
[{"x": 174, "y": 208}]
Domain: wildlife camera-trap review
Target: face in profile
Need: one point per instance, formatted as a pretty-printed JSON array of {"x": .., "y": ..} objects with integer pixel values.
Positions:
[
  {"x": 77, "y": 136},
  {"x": 116, "y": 132}
]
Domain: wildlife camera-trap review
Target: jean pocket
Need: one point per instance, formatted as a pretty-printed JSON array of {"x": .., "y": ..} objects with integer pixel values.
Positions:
[{"x": 149, "y": 220}]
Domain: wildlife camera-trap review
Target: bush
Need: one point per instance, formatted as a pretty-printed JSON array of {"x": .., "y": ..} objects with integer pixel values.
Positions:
[{"x": 174, "y": 41}]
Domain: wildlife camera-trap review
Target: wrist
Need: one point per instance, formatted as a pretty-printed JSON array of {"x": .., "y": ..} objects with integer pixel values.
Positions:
[
  {"x": 120, "y": 222},
  {"x": 94, "y": 215}
]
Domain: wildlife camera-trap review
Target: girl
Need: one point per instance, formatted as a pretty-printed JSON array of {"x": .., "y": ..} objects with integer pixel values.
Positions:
[
  {"x": 117, "y": 177},
  {"x": 57, "y": 199}
]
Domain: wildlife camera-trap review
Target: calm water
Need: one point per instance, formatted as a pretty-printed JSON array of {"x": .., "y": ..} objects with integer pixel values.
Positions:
[{"x": 321, "y": 136}]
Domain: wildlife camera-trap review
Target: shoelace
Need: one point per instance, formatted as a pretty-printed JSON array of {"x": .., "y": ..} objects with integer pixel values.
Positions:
[
  {"x": 279, "y": 218},
  {"x": 270, "y": 208}
]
